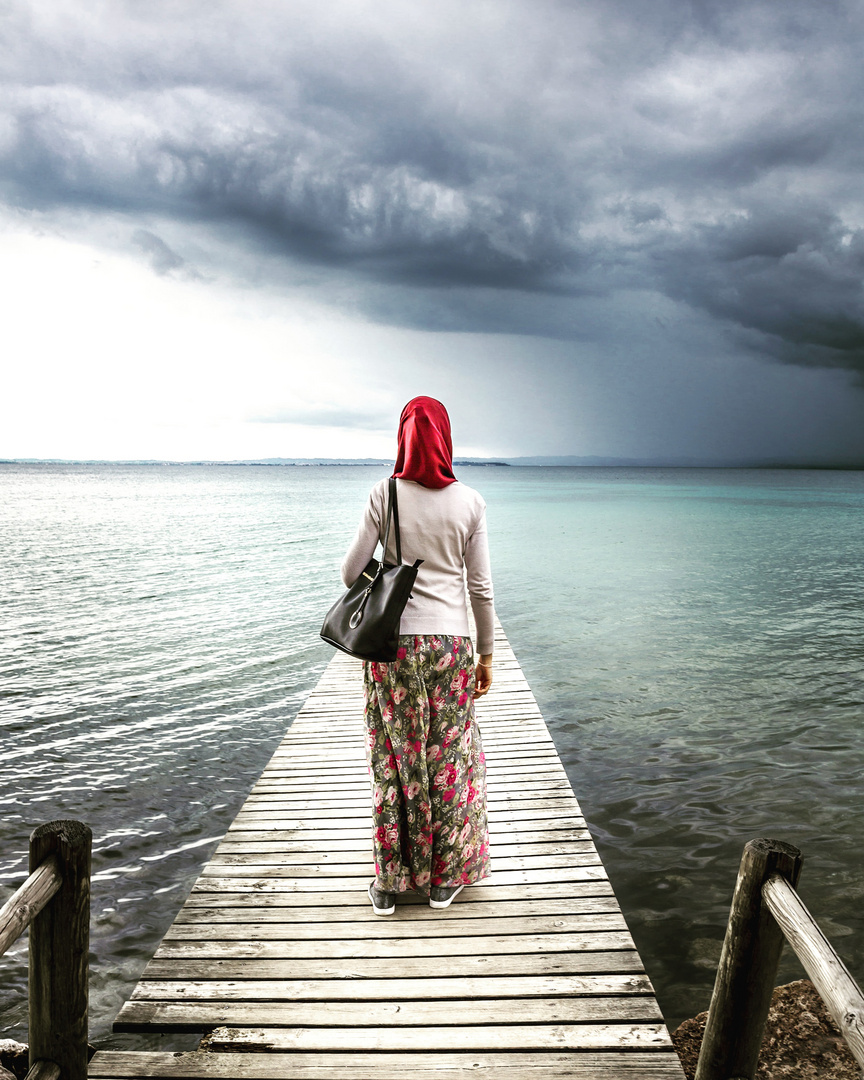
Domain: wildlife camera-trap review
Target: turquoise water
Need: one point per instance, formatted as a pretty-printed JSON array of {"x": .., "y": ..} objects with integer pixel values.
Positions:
[{"x": 694, "y": 639}]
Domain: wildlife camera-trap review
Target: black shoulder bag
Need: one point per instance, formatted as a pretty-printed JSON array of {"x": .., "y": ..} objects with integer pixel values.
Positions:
[{"x": 365, "y": 621}]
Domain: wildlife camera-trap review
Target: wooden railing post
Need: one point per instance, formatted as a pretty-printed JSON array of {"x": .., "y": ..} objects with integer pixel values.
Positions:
[
  {"x": 748, "y": 967},
  {"x": 59, "y": 952}
]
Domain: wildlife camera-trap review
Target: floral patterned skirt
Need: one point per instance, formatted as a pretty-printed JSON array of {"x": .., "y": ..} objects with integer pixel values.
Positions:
[{"x": 427, "y": 766}]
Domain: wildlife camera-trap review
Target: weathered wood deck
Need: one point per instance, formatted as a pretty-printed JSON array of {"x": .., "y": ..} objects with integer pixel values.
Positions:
[{"x": 277, "y": 953}]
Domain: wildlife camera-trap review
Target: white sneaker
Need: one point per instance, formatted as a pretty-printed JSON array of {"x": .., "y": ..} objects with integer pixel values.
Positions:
[
  {"x": 383, "y": 903},
  {"x": 440, "y": 897}
]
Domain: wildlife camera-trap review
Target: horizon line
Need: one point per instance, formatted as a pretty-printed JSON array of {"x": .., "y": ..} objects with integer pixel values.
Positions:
[{"x": 539, "y": 461}]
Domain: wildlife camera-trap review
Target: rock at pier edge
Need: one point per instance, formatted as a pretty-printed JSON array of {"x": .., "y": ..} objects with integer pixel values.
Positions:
[
  {"x": 13, "y": 1059},
  {"x": 801, "y": 1040}
]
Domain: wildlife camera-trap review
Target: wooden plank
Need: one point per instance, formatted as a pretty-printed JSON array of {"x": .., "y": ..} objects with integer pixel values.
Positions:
[
  {"x": 439, "y": 946},
  {"x": 506, "y": 844},
  {"x": 357, "y": 849},
  {"x": 353, "y": 761},
  {"x": 190, "y": 1016},
  {"x": 503, "y": 766},
  {"x": 502, "y": 787},
  {"x": 502, "y": 790},
  {"x": 621, "y": 961},
  {"x": 555, "y": 797},
  {"x": 557, "y": 876},
  {"x": 408, "y": 905},
  {"x": 552, "y": 796},
  {"x": 310, "y": 839},
  {"x": 590, "y": 882},
  {"x": 337, "y": 818},
  {"x": 278, "y": 819},
  {"x": 442, "y": 988},
  {"x": 256, "y": 930},
  {"x": 445, "y": 1065},
  {"x": 642, "y": 1036},
  {"x": 514, "y": 793},
  {"x": 350, "y": 757},
  {"x": 288, "y": 857},
  {"x": 242, "y": 908},
  {"x": 555, "y": 801},
  {"x": 244, "y": 866}
]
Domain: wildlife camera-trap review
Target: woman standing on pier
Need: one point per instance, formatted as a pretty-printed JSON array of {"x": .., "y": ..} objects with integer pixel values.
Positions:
[{"x": 423, "y": 744}]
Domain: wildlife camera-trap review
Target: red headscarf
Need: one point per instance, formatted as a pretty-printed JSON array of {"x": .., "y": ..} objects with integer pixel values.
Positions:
[{"x": 425, "y": 452}]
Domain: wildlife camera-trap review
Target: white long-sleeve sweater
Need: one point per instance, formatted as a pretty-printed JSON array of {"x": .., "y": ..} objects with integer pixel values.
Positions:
[{"x": 446, "y": 528}]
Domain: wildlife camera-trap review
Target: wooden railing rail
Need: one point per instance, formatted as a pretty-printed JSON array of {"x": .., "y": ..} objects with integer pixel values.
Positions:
[
  {"x": 54, "y": 902},
  {"x": 43, "y": 1070},
  {"x": 22, "y": 908},
  {"x": 766, "y": 911},
  {"x": 842, "y": 995}
]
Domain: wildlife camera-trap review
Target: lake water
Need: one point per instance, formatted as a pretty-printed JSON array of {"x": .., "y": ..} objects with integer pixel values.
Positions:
[{"x": 695, "y": 639}]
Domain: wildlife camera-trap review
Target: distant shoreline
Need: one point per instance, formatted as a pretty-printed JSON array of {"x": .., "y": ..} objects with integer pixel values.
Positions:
[{"x": 521, "y": 462}]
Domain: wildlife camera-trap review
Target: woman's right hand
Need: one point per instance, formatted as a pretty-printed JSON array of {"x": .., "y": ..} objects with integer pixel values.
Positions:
[{"x": 483, "y": 675}]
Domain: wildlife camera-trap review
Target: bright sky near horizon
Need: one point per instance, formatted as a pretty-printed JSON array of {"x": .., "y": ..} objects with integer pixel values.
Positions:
[{"x": 617, "y": 228}]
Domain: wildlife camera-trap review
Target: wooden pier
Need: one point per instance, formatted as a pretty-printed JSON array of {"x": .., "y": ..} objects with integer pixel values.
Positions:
[{"x": 278, "y": 958}]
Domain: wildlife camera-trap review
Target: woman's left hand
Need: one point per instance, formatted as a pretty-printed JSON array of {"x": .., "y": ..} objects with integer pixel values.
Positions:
[{"x": 482, "y": 676}]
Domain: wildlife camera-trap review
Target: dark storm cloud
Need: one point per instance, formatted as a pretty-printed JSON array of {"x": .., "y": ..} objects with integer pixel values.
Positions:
[
  {"x": 490, "y": 160},
  {"x": 791, "y": 276}
]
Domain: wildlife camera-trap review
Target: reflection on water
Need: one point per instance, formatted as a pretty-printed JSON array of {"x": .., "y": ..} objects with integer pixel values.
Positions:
[{"x": 694, "y": 639}]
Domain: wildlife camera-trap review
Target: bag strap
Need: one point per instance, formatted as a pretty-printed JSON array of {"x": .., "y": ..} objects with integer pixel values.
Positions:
[
  {"x": 395, "y": 503},
  {"x": 392, "y": 509}
]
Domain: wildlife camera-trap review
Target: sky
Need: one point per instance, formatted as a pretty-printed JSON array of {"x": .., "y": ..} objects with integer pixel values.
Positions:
[{"x": 233, "y": 229}]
